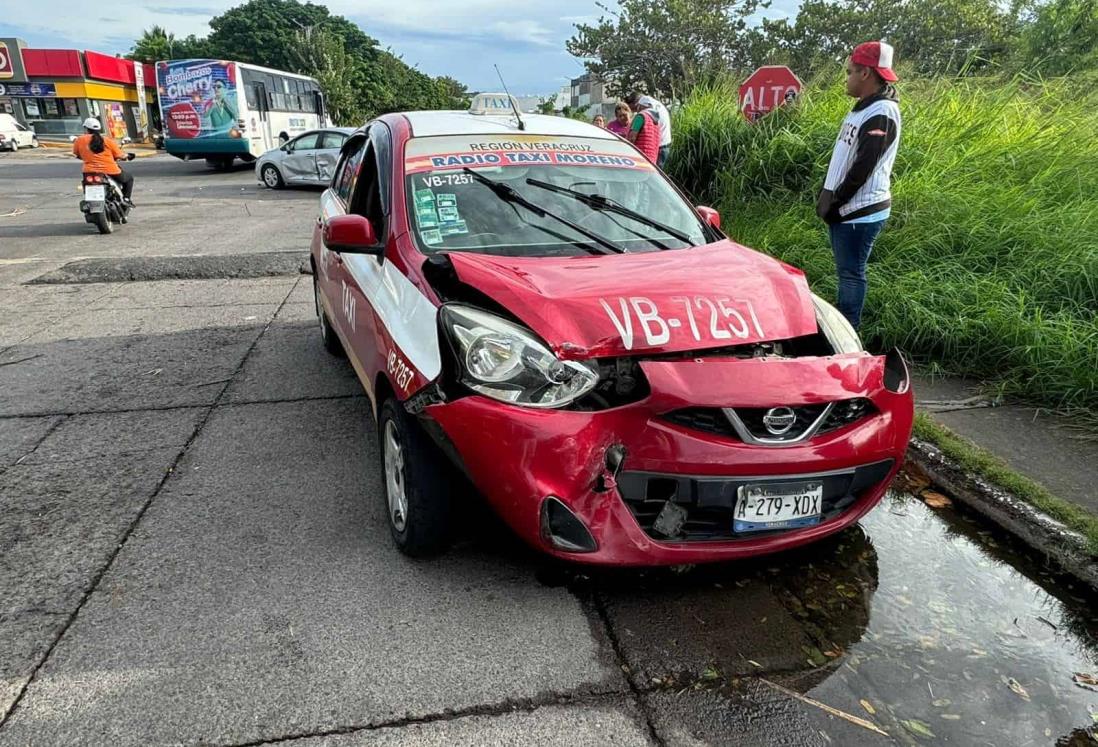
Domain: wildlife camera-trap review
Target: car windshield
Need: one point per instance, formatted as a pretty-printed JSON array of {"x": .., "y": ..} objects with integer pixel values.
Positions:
[{"x": 541, "y": 195}]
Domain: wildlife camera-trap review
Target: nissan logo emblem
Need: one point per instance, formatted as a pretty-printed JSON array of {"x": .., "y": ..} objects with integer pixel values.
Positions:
[{"x": 778, "y": 420}]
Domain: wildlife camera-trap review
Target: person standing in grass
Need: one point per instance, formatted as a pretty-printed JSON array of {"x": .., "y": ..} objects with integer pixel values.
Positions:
[
  {"x": 856, "y": 199},
  {"x": 644, "y": 132}
]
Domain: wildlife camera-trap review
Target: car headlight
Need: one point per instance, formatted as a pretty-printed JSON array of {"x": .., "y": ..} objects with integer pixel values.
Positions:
[
  {"x": 504, "y": 361},
  {"x": 835, "y": 327}
]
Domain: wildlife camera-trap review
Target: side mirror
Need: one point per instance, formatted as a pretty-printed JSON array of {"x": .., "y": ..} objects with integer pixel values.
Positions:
[
  {"x": 709, "y": 215},
  {"x": 285, "y": 147},
  {"x": 351, "y": 234}
]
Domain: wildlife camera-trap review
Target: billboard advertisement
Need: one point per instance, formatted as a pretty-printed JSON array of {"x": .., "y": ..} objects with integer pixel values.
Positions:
[{"x": 198, "y": 99}]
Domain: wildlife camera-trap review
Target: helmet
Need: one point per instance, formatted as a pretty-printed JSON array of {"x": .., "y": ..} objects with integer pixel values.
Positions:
[{"x": 91, "y": 123}]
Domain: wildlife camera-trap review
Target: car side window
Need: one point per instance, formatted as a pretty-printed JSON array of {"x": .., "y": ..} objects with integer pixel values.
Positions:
[
  {"x": 346, "y": 173},
  {"x": 366, "y": 197},
  {"x": 382, "y": 141},
  {"x": 305, "y": 142},
  {"x": 332, "y": 141}
]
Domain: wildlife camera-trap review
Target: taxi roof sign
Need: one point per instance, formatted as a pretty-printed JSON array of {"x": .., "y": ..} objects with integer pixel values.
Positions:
[{"x": 495, "y": 104}]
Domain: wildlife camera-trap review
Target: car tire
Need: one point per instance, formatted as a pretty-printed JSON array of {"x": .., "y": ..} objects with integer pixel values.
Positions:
[
  {"x": 331, "y": 340},
  {"x": 103, "y": 223},
  {"x": 14, "y": 146},
  {"x": 35, "y": 143},
  {"x": 272, "y": 178},
  {"x": 415, "y": 484}
]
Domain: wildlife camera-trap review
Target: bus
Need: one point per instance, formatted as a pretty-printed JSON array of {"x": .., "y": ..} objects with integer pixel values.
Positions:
[{"x": 204, "y": 114}]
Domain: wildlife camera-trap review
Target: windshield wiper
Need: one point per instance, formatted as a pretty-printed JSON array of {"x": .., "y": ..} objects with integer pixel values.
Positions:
[
  {"x": 508, "y": 194},
  {"x": 598, "y": 202}
]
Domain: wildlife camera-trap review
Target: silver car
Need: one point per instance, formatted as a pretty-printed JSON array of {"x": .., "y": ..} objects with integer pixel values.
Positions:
[{"x": 309, "y": 158}]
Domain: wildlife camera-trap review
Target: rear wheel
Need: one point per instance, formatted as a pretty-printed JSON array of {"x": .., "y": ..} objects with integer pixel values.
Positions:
[
  {"x": 271, "y": 177},
  {"x": 418, "y": 501},
  {"x": 14, "y": 145},
  {"x": 327, "y": 334},
  {"x": 102, "y": 222}
]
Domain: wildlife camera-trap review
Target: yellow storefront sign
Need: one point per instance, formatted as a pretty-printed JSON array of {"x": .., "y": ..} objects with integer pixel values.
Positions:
[{"x": 102, "y": 91}]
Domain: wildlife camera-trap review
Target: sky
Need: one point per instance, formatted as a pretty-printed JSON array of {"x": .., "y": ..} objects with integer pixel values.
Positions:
[{"x": 460, "y": 39}]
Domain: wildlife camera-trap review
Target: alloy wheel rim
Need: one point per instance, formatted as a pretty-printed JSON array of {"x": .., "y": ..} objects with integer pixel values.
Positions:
[
  {"x": 270, "y": 178},
  {"x": 394, "y": 477}
]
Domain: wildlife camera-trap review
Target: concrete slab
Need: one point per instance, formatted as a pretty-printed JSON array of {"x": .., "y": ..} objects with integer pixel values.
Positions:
[
  {"x": 751, "y": 716},
  {"x": 261, "y": 596},
  {"x": 18, "y": 437},
  {"x": 303, "y": 293},
  {"x": 27, "y": 636},
  {"x": 128, "y": 359},
  {"x": 172, "y": 293},
  {"x": 290, "y": 362},
  {"x": 684, "y": 626},
  {"x": 18, "y": 327},
  {"x": 68, "y": 298},
  {"x": 108, "y": 435},
  {"x": 1035, "y": 442},
  {"x": 552, "y": 726}
]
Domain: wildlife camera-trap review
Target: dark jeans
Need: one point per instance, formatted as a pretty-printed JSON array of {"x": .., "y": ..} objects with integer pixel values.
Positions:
[
  {"x": 661, "y": 159},
  {"x": 126, "y": 180},
  {"x": 851, "y": 243}
]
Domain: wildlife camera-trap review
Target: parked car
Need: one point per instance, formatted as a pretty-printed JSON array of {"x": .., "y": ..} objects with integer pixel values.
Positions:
[
  {"x": 540, "y": 308},
  {"x": 309, "y": 159},
  {"x": 14, "y": 136}
]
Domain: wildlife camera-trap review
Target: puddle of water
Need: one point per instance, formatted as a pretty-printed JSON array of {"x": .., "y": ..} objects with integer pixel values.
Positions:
[{"x": 969, "y": 639}]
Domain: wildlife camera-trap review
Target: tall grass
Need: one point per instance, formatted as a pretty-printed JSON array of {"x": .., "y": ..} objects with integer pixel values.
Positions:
[{"x": 989, "y": 263}]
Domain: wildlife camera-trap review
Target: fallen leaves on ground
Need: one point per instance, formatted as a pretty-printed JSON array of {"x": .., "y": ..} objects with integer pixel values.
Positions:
[
  {"x": 918, "y": 728},
  {"x": 1016, "y": 688},
  {"x": 1088, "y": 681},
  {"x": 868, "y": 707},
  {"x": 935, "y": 500}
]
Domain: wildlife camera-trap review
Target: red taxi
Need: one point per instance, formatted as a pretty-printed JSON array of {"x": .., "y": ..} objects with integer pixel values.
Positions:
[{"x": 533, "y": 303}]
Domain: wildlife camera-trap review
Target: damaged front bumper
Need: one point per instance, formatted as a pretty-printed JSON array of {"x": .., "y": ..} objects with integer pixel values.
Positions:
[{"x": 655, "y": 482}]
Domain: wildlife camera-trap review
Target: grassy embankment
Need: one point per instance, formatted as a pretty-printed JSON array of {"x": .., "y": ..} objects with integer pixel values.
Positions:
[{"x": 989, "y": 265}]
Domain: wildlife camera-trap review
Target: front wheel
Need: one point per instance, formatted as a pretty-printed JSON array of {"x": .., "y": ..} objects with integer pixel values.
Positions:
[
  {"x": 14, "y": 146},
  {"x": 418, "y": 501},
  {"x": 103, "y": 223},
  {"x": 34, "y": 142},
  {"x": 271, "y": 177}
]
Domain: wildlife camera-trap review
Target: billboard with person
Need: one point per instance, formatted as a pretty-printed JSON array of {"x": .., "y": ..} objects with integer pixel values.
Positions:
[{"x": 198, "y": 98}]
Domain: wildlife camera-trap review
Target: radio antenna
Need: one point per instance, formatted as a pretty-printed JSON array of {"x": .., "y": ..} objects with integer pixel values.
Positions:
[{"x": 514, "y": 107}]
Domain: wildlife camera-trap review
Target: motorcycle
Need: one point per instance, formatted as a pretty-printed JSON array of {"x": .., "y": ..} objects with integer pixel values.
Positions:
[{"x": 103, "y": 203}]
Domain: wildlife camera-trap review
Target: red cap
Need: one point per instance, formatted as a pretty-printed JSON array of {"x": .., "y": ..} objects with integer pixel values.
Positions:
[{"x": 876, "y": 55}]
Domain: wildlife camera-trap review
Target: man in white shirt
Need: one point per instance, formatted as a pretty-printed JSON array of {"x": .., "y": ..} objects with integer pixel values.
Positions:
[
  {"x": 856, "y": 199},
  {"x": 638, "y": 102}
]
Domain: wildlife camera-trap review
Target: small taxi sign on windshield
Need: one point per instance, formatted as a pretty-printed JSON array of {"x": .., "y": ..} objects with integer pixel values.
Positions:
[{"x": 494, "y": 104}]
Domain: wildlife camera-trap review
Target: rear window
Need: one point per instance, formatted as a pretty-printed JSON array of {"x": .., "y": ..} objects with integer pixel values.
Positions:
[{"x": 451, "y": 210}]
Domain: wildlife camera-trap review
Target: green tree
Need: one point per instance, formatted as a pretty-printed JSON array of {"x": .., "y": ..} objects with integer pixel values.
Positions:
[
  {"x": 322, "y": 54},
  {"x": 454, "y": 93},
  {"x": 665, "y": 47},
  {"x": 157, "y": 43},
  {"x": 1062, "y": 37},
  {"x": 263, "y": 32},
  {"x": 933, "y": 37}
]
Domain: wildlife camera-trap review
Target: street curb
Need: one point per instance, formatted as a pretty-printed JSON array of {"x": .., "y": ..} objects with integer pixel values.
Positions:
[{"x": 1064, "y": 546}]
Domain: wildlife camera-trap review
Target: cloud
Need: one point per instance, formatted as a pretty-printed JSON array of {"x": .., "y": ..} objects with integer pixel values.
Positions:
[{"x": 169, "y": 10}]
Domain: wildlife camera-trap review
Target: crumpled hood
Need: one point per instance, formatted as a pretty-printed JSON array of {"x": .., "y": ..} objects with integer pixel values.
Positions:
[{"x": 658, "y": 302}]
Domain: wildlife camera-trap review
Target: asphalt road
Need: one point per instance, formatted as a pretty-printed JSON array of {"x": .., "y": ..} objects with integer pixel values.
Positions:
[{"x": 194, "y": 548}]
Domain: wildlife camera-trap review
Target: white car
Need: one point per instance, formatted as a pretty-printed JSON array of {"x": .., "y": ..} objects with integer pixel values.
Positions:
[
  {"x": 14, "y": 136},
  {"x": 308, "y": 159}
]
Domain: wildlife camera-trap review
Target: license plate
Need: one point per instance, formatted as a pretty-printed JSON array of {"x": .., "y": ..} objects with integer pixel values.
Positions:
[
  {"x": 95, "y": 193},
  {"x": 777, "y": 505}
]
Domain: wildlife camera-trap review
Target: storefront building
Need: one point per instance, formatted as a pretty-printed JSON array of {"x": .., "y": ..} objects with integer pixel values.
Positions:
[{"x": 52, "y": 91}]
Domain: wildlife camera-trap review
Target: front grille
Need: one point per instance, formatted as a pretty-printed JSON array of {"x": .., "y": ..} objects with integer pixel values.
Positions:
[
  {"x": 751, "y": 426},
  {"x": 707, "y": 419},
  {"x": 709, "y": 503},
  {"x": 805, "y": 417}
]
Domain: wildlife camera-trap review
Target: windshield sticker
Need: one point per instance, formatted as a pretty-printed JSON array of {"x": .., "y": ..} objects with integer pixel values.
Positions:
[
  {"x": 451, "y": 229},
  {"x": 448, "y": 161},
  {"x": 425, "y": 197},
  {"x": 431, "y": 236}
]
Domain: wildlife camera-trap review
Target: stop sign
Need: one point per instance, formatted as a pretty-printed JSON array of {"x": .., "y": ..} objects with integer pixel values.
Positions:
[{"x": 767, "y": 88}]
